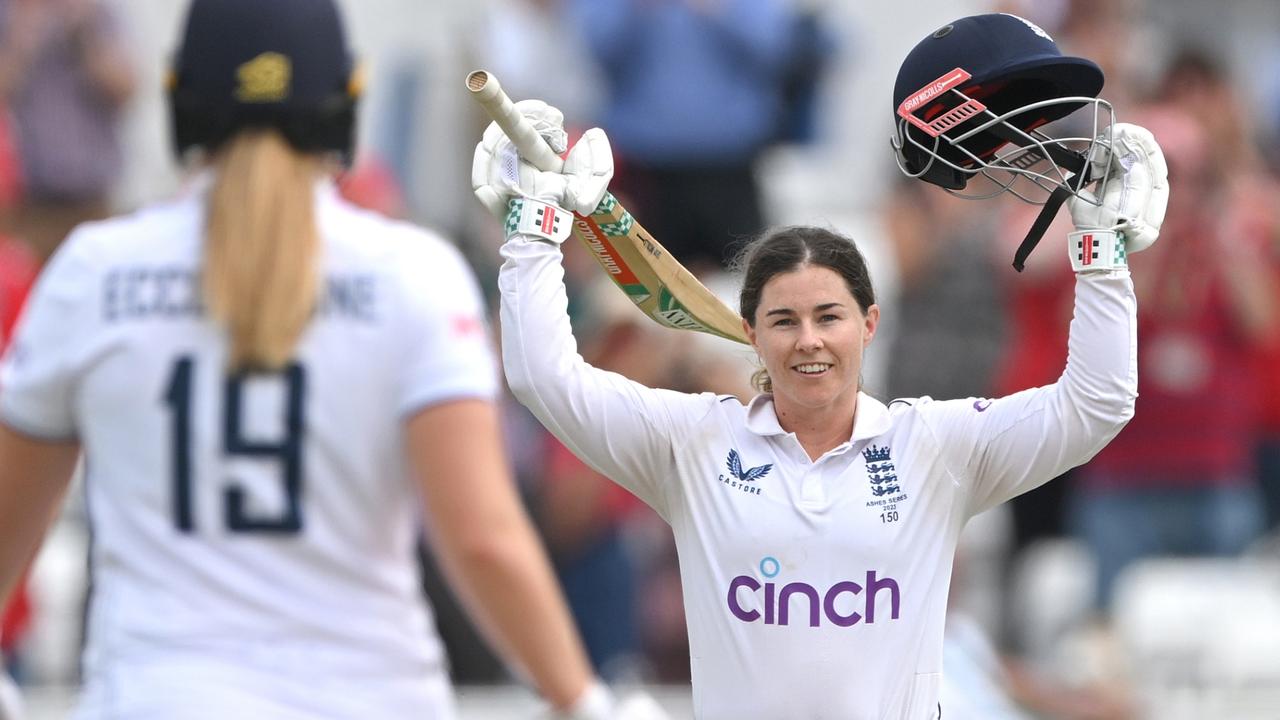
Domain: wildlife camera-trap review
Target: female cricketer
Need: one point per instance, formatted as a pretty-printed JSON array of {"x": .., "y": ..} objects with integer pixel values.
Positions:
[{"x": 815, "y": 525}]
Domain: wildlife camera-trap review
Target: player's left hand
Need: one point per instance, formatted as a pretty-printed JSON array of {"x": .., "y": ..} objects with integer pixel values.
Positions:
[
  {"x": 498, "y": 173},
  {"x": 1136, "y": 190}
]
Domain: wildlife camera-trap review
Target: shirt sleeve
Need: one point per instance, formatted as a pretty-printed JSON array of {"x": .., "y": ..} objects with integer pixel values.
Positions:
[
  {"x": 43, "y": 365},
  {"x": 448, "y": 353},
  {"x": 620, "y": 428},
  {"x": 1001, "y": 448}
]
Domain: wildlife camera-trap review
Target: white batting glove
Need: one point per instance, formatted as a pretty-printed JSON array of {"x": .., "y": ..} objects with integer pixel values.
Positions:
[
  {"x": 598, "y": 703},
  {"x": 499, "y": 174},
  {"x": 1127, "y": 218}
]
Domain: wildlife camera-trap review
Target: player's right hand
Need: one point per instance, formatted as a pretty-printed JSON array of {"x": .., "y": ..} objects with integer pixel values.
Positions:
[{"x": 498, "y": 173}]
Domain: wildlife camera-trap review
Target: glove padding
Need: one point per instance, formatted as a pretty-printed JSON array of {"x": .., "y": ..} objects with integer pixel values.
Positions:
[
  {"x": 1137, "y": 189},
  {"x": 498, "y": 173},
  {"x": 599, "y": 703}
]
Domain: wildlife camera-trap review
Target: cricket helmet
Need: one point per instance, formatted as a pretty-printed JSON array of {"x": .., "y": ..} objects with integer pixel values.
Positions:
[
  {"x": 970, "y": 100},
  {"x": 280, "y": 64}
]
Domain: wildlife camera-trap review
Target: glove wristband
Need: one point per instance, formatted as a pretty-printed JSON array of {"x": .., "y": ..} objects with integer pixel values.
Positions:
[
  {"x": 538, "y": 219},
  {"x": 1095, "y": 250}
]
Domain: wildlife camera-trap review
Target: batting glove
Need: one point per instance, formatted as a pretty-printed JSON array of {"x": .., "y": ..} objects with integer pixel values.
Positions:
[
  {"x": 499, "y": 174},
  {"x": 1126, "y": 218},
  {"x": 598, "y": 703}
]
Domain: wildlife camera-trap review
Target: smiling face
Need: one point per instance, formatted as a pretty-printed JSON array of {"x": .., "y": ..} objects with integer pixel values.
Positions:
[{"x": 811, "y": 333}]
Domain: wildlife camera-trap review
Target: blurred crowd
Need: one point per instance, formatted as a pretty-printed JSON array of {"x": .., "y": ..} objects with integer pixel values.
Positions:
[{"x": 696, "y": 95}]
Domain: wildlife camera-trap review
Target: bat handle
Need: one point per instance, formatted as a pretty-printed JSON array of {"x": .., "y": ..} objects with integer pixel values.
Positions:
[{"x": 485, "y": 89}]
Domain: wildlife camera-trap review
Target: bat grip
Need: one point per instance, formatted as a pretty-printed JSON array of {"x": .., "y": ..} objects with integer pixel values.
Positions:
[{"x": 485, "y": 89}]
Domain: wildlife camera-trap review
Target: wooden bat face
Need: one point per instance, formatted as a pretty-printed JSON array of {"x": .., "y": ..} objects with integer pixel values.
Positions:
[{"x": 654, "y": 280}]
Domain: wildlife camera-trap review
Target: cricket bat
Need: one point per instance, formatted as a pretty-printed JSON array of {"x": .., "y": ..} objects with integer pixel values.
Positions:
[{"x": 637, "y": 263}]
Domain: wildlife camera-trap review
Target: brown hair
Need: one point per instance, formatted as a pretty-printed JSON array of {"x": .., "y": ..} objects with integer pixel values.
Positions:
[
  {"x": 789, "y": 248},
  {"x": 262, "y": 247}
]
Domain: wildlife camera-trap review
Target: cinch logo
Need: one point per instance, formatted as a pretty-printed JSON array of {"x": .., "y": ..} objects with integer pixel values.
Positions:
[
  {"x": 830, "y": 603},
  {"x": 738, "y": 477}
]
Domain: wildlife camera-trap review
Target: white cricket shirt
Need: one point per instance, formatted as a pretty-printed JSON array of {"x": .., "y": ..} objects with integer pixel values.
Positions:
[
  {"x": 262, "y": 525},
  {"x": 816, "y": 589}
]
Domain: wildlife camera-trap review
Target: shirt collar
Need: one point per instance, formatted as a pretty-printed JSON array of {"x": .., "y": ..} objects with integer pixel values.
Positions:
[{"x": 872, "y": 417}]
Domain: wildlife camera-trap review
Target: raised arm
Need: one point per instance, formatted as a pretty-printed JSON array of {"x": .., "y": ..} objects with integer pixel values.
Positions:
[
  {"x": 1004, "y": 447},
  {"x": 621, "y": 428}
]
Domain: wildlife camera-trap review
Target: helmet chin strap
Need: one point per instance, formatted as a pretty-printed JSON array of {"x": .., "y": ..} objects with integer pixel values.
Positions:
[{"x": 1072, "y": 161}]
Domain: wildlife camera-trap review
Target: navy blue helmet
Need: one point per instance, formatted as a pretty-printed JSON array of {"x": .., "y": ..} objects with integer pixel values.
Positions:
[
  {"x": 970, "y": 98},
  {"x": 282, "y": 64}
]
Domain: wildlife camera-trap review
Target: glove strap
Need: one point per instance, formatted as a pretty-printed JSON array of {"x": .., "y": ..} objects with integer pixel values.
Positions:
[
  {"x": 538, "y": 219},
  {"x": 1092, "y": 250}
]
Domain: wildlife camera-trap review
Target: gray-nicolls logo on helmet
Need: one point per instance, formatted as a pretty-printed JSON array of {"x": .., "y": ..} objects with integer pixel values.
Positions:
[
  {"x": 970, "y": 102},
  {"x": 282, "y": 64}
]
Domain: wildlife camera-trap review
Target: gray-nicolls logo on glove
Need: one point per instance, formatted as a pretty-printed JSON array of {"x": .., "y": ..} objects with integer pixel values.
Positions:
[
  {"x": 1122, "y": 214},
  {"x": 499, "y": 173}
]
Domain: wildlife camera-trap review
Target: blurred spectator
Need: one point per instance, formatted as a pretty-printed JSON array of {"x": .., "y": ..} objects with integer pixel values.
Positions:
[
  {"x": 527, "y": 44},
  {"x": 64, "y": 74},
  {"x": 1198, "y": 85},
  {"x": 15, "y": 622},
  {"x": 583, "y": 516},
  {"x": 17, "y": 273},
  {"x": 1038, "y": 301},
  {"x": 694, "y": 96},
  {"x": 1179, "y": 480},
  {"x": 982, "y": 684},
  {"x": 10, "y": 170},
  {"x": 17, "y": 265},
  {"x": 811, "y": 55},
  {"x": 947, "y": 304},
  {"x": 1268, "y": 368},
  {"x": 372, "y": 185},
  {"x": 1115, "y": 34}
]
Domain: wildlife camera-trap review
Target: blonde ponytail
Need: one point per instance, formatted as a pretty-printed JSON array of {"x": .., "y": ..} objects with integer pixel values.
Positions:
[{"x": 262, "y": 248}]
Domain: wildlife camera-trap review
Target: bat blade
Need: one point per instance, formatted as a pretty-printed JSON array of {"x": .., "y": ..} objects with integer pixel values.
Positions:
[
  {"x": 650, "y": 276},
  {"x": 635, "y": 261}
]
